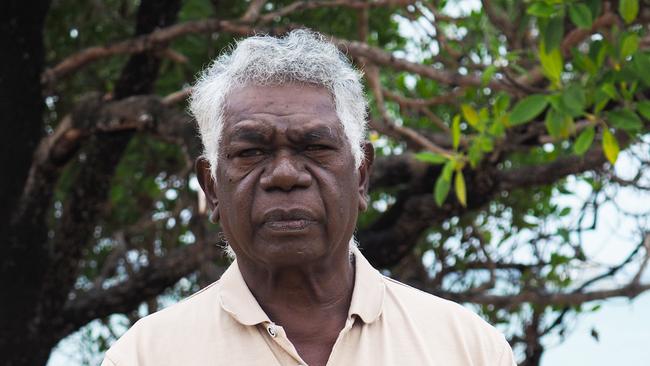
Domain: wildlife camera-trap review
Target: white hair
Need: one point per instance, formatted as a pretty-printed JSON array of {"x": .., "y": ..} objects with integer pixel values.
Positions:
[{"x": 301, "y": 56}]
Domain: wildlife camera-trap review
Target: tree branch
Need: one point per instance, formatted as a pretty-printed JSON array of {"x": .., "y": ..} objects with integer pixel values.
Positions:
[
  {"x": 542, "y": 298},
  {"x": 146, "y": 283}
]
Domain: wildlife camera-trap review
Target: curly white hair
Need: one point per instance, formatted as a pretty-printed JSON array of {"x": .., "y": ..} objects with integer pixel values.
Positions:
[{"x": 300, "y": 56}]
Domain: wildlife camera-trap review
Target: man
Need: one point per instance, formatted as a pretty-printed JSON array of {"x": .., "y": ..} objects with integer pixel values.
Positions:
[{"x": 285, "y": 172}]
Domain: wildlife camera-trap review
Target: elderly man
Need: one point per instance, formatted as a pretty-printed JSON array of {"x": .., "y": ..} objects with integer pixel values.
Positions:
[{"x": 285, "y": 172}]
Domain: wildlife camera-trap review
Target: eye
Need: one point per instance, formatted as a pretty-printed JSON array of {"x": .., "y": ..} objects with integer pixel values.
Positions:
[
  {"x": 316, "y": 147},
  {"x": 251, "y": 153}
]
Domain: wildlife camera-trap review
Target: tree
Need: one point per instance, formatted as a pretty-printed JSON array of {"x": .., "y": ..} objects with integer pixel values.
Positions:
[{"x": 481, "y": 118}]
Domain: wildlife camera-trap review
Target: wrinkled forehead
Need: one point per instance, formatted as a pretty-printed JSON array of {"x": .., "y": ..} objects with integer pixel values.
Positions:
[
  {"x": 303, "y": 108},
  {"x": 289, "y": 99}
]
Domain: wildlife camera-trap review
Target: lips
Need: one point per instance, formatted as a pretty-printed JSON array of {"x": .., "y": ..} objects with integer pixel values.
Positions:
[{"x": 288, "y": 220}]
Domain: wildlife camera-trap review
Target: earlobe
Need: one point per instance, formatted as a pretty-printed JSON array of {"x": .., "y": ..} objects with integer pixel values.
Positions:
[
  {"x": 208, "y": 186},
  {"x": 214, "y": 214},
  {"x": 364, "y": 175}
]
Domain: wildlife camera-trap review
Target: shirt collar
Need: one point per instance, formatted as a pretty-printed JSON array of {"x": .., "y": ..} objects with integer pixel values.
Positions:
[
  {"x": 367, "y": 296},
  {"x": 237, "y": 299}
]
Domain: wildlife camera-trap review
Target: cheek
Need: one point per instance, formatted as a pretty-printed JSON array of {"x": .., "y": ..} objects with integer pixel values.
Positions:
[
  {"x": 340, "y": 195},
  {"x": 235, "y": 191}
]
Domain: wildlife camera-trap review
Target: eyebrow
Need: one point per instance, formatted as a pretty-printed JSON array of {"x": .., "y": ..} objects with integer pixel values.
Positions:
[
  {"x": 254, "y": 134},
  {"x": 308, "y": 135}
]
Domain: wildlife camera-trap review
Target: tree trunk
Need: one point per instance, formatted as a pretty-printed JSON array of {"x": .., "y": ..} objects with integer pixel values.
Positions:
[{"x": 23, "y": 252}]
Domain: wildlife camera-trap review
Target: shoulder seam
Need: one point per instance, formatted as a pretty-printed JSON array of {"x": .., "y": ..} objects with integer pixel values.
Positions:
[
  {"x": 201, "y": 291},
  {"x": 408, "y": 286}
]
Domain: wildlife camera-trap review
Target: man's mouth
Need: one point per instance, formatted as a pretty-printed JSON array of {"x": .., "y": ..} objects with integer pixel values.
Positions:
[{"x": 288, "y": 220}]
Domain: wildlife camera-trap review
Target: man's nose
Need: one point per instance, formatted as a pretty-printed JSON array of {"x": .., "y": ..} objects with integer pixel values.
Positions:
[{"x": 285, "y": 173}]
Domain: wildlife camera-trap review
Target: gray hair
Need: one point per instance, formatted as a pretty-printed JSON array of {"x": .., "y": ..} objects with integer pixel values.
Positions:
[{"x": 301, "y": 56}]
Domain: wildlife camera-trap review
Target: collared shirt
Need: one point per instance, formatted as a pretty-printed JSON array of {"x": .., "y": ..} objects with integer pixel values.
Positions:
[{"x": 388, "y": 323}]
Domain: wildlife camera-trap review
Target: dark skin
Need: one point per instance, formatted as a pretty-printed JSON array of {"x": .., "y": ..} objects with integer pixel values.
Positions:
[{"x": 287, "y": 194}]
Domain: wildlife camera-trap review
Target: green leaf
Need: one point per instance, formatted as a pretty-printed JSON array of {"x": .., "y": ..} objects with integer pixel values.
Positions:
[
  {"x": 644, "y": 108},
  {"x": 485, "y": 143},
  {"x": 459, "y": 186},
  {"x": 610, "y": 146},
  {"x": 580, "y": 15},
  {"x": 598, "y": 52},
  {"x": 475, "y": 154},
  {"x": 610, "y": 90},
  {"x": 553, "y": 123},
  {"x": 448, "y": 170},
  {"x": 574, "y": 100},
  {"x": 629, "y": 45},
  {"x": 552, "y": 63},
  {"x": 595, "y": 7},
  {"x": 487, "y": 75},
  {"x": 431, "y": 158},
  {"x": 558, "y": 259},
  {"x": 541, "y": 9},
  {"x": 625, "y": 119},
  {"x": 501, "y": 104},
  {"x": 470, "y": 115},
  {"x": 527, "y": 109},
  {"x": 583, "y": 62},
  {"x": 641, "y": 65},
  {"x": 584, "y": 140},
  {"x": 628, "y": 9},
  {"x": 553, "y": 32},
  {"x": 441, "y": 190},
  {"x": 455, "y": 131}
]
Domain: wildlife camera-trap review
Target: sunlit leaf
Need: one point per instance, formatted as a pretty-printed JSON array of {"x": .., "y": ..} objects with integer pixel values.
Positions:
[
  {"x": 628, "y": 9},
  {"x": 455, "y": 131},
  {"x": 552, "y": 63},
  {"x": 459, "y": 186},
  {"x": 629, "y": 45},
  {"x": 448, "y": 170},
  {"x": 470, "y": 114},
  {"x": 431, "y": 158},
  {"x": 541, "y": 9},
  {"x": 610, "y": 146}
]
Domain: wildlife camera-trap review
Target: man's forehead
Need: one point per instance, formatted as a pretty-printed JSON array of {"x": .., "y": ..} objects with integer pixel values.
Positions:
[
  {"x": 295, "y": 127},
  {"x": 279, "y": 100}
]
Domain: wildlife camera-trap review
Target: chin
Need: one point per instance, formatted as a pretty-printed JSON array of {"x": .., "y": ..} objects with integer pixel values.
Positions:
[{"x": 292, "y": 252}]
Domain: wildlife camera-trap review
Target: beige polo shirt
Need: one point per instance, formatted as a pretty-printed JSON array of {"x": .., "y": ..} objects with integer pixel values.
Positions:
[{"x": 388, "y": 323}]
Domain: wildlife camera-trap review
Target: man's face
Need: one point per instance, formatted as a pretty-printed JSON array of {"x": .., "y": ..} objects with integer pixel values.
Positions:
[{"x": 287, "y": 189}]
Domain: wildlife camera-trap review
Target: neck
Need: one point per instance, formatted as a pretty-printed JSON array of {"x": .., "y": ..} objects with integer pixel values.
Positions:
[{"x": 312, "y": 289}]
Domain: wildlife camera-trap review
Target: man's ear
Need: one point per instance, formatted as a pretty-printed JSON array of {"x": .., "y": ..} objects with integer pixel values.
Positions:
[
  {"x": 208, "y": 185},
  {"x": 364, "y": 175}
]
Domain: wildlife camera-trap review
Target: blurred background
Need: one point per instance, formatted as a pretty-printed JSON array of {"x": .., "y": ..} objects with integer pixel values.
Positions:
[{"x": 512, "y": 142}]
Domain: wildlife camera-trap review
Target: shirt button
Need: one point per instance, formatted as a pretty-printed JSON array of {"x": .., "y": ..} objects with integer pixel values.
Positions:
[{"x": 271, "y": 330}]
